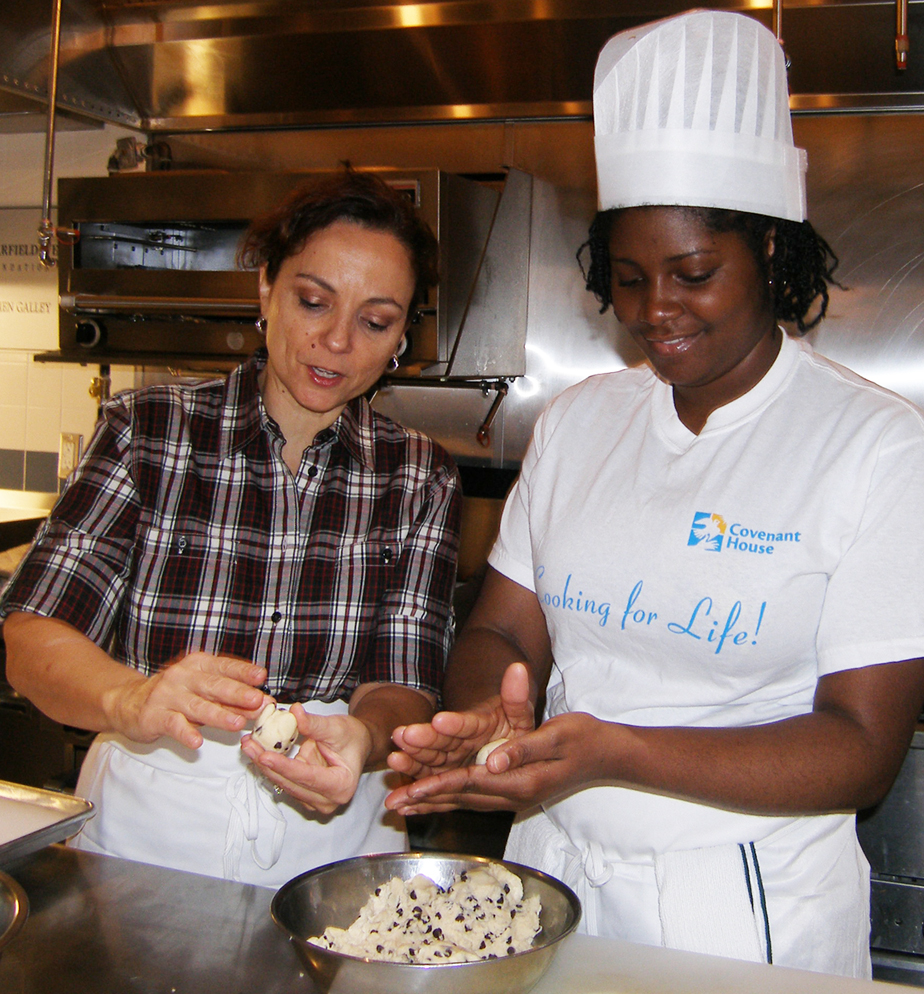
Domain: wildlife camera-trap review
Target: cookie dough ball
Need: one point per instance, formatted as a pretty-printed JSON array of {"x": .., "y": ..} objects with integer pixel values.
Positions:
[
  {"x": 276, "y": 729},
  {"x": 486, "y": 751}
]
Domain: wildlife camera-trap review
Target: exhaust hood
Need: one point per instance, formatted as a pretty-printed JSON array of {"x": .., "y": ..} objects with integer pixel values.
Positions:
[{"x": 172, "y": 66}]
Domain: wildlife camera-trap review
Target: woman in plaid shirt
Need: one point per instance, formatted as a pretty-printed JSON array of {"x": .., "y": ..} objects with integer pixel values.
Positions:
[{"x": 265, "y": 536}]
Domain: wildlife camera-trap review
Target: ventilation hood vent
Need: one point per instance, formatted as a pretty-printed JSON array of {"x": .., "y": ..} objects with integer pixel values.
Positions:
[{"x": 163, "y": 66}]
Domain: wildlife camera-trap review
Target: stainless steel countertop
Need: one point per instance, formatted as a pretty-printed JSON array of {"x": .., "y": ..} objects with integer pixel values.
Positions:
[
  {"x": 23, "y": 505},
  {"x": 21, "y": 513},
  {"x": 101, "y": 925}
]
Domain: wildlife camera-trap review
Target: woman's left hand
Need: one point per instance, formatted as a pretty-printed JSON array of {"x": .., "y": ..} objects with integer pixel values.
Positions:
[
  {"x": 556, "y": 758},
  {"x": 325, "y": 771},
  {"x": 337, "y": 748}
]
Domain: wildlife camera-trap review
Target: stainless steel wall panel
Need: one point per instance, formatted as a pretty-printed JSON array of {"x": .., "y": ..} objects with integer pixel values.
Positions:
[
  {"x": 897, "y": 917},
  {"x": 567, "y": 339},
  {"x": 452, "y": 416},
  {"x": 866, "y": 196},
  {"x": 892, "y": 834},
  {"x": 486, "y": 281}
]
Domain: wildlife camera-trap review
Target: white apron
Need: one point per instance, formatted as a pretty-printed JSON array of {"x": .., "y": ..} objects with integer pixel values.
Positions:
[
  {"x": 665, "y": 872},
  {"x": 208, "y": 811}
]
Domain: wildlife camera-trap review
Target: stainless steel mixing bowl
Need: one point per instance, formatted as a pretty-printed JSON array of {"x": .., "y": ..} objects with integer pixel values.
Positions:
[
  {"x": 14, "y": 909},
  {"x": 334, "y": 895}
]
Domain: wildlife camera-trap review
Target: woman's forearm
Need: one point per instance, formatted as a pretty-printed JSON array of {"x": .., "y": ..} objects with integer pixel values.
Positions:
[
  {"x": 812, "y": 763},
  {"x": 843, "y": 755},
  {"x": 479, "y": 660},
  {"x": 382, "y": 707},
  {"x": 63, "y": 673},
  {"x": 506, "y": 626},
  {"x": 73, "y": 681}
]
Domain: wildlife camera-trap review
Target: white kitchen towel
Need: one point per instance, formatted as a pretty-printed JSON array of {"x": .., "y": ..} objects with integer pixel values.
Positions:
[{"x": 711, "y": 901}]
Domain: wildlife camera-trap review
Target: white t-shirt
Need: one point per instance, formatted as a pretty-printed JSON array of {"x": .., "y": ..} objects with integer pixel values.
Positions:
[{"x": 711, "y": 579}]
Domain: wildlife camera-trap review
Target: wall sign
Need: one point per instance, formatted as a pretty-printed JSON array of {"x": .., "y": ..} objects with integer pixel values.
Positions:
[{"x": 28, "y": 291}]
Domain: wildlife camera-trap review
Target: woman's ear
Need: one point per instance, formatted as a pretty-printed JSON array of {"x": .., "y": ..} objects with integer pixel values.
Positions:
[
  {"x": 265, "y": 287},
  {"x": 770, "y": 244}
]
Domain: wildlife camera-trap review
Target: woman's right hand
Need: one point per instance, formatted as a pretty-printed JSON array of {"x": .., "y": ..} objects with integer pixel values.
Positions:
[
  {"x": 197, "y": 690},
  {"x": 75, "y": 682}
]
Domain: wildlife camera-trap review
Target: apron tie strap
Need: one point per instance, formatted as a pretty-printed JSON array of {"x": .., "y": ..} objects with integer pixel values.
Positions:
[
  {"x": 249, "y": 794},
  {"x": 587, "y": 870}
]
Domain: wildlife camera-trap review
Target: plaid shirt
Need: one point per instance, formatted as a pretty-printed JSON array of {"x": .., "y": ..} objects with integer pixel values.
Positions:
[{"x": 183, "y": 530}]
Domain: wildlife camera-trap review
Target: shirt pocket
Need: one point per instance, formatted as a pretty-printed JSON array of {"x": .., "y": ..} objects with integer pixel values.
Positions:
[
  {"x": 347, "y": 583},
  {"x": 179, "y": 569},
  {"x": 367, "y": 568}
]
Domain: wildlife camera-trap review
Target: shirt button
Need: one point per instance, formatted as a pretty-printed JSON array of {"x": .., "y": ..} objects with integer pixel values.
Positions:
[
  {"x": 276, "y": 617},
  {"x": 387, "y": 556},
  {"x": 312, "y": 472}
]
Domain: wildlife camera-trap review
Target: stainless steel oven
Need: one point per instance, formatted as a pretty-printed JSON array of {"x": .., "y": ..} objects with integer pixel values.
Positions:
[{"x": 151, "y": 277}]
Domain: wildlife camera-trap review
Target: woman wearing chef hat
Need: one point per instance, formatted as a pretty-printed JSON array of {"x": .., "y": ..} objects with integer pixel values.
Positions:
[{"x": 710, "y": 565}]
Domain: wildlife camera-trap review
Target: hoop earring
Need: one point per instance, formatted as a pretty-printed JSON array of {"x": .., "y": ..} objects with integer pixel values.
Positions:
[
  {"x": 393, "y": 363},
  {"x": 261, "y": 324}
]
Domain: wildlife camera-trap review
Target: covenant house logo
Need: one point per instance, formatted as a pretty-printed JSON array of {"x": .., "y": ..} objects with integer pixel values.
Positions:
[{"x": 713, "y": 533}]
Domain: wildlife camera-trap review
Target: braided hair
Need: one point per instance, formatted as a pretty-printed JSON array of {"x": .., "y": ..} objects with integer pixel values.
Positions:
[{"x": 799, "y": 271}]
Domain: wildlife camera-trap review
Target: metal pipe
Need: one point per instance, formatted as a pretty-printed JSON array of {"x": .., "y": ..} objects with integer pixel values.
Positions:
[
  {"x": 100, "y": 387},
  {"x": 778, "y": 29},
  {"x": 483, "y": 435},
  {"x": 47, "y": 228},
  {"x": 902, "y": 43}
]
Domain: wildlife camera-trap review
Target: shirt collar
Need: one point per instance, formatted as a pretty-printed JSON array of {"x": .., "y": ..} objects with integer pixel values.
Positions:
[
  {"x": 728, "y": 415},
  {"x": 243, "y": 416},
  {"x": 354, "y": 429}
]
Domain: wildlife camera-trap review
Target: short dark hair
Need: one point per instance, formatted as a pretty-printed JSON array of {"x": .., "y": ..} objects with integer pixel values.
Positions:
[
  {"x": 802, "y": 266},
  {"x": 360, "y": 198}
]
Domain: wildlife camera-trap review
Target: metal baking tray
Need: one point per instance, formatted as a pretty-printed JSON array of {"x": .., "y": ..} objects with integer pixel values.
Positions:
[
  {"x": 14, "y": 909},
  {"x": 63, "y": 813}
]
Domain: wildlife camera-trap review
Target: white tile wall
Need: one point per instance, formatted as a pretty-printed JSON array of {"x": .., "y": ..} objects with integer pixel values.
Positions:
[
  {"x": 77, "y": 153},
  {"x": 39, "y": 401},
  {"x": 78, "y": 408},
  {"x": 13, "y": 377},
  {"x": 12, "y": 426}
]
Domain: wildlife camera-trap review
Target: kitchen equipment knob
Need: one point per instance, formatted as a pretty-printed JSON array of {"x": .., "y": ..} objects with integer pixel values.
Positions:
[{"x": 89, "y": 333}]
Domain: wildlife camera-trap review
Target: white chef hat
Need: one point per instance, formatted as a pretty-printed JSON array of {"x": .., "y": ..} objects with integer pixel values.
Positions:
[{"x": 694, "y": 110}]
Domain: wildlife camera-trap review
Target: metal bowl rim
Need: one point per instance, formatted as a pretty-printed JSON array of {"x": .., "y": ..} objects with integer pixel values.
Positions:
[
  {"x": 556, "y": 884},
  {"x": 21, "y": 901}
]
